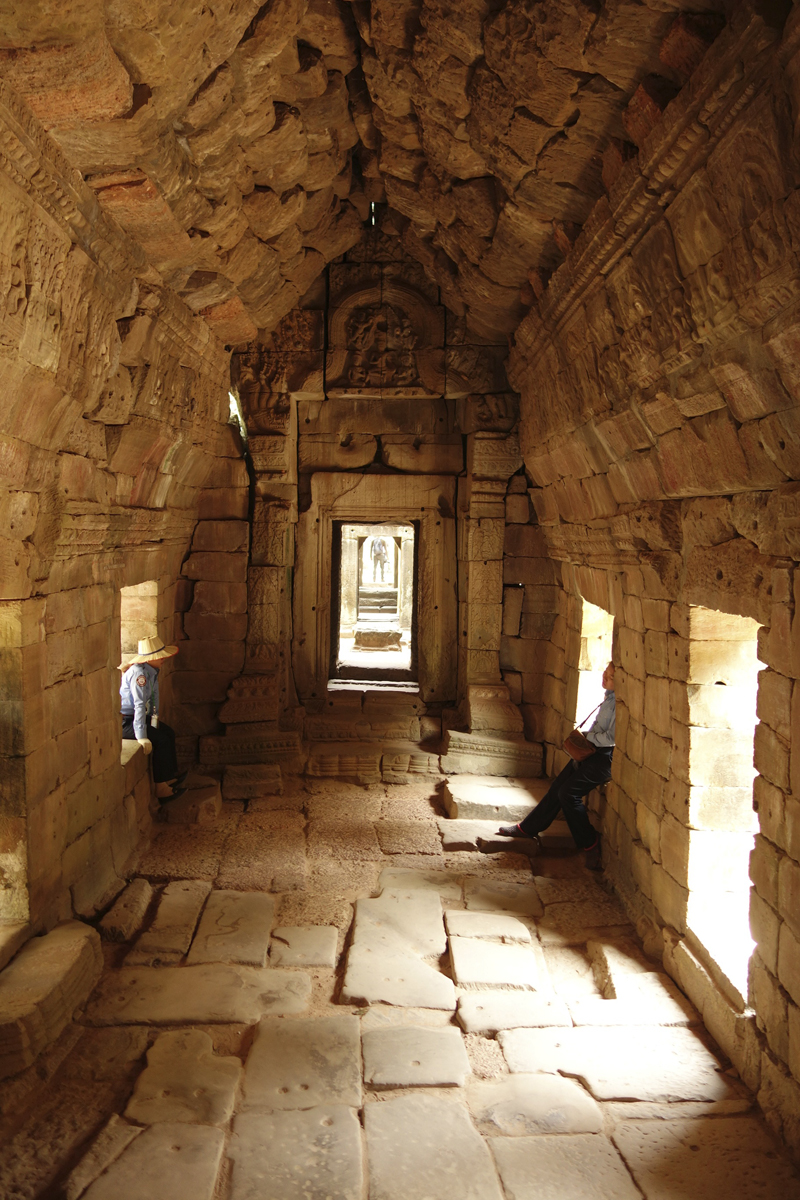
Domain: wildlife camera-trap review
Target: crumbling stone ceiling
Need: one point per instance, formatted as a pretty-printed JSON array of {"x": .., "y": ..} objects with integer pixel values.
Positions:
[{"x": 242, "y": 144}]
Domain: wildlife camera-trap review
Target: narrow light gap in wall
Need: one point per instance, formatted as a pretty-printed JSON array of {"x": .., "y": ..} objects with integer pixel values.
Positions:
[
  {"x": 236, "y": 417},
  {"x": 372, "y": 218}
]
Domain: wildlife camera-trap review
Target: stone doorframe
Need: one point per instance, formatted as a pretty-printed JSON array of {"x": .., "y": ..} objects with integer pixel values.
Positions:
[{"x": 388, "y": 499}]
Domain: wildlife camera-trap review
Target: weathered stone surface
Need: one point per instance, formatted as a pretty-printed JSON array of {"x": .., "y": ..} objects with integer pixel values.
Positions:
[
  {"x": 311, "y": 1155},
  {"x": 490, "y": 1010},
  {"x": 461, "y": 834},
  {"x": 169, "y": 937},
  {"x": 414, "y": 1056},
  {"x": 234, "y": 928},
  {"x": 491, "y": 798},
  {"x": 402, "y": 878},
  {"x": 582, "y": 1165},
  {"x": 185, "y": 1081},
  {"x": 494, "y": 926},
  {"x": 124, "y": 919},
  {"x": 112, "y": 1139},
  {"x": 719, "y": 1158},
  {"x": 168, "y": 1159},
  {"x": 301, "y": 1064},
  {"x": 503, "y": 897},
  {"x": 413, "y": 914},
  {"x": 421, "y": 1146},
  {"x": 381, "y": 968},
  {"x": 304, "y": 946},
  {"x": 250, "y": 782},
  {"x": 202, "y": 994},
  {"x": 479, "y": 963},
  {"x": 42, "y": 987},
  {"x": 644, "y": 1063},
  {"x": 201, "y": 805},
  {"x": 516, "y": 1105}
]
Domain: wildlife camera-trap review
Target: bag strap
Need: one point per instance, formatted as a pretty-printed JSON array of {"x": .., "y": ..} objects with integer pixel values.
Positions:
[{"x": 591, "y": 714}]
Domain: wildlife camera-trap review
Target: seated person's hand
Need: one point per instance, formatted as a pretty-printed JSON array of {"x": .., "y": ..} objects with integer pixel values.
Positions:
[{"x": 146, "y": 745}]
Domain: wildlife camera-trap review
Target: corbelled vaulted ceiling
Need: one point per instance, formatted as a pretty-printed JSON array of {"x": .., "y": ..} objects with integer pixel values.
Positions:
[{"x": 242, "y": 145}]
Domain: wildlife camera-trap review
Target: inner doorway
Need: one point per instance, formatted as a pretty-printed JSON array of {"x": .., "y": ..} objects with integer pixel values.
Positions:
[{"x": 374, "y": 588}]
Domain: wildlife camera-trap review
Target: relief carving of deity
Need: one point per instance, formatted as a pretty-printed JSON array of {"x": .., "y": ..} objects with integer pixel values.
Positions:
[
  {"x": 382, "y": 342},
  {"x": 258, "y": 375}
]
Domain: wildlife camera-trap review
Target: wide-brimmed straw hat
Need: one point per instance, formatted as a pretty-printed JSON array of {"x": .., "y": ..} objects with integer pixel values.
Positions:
[{"x": 151, "y": 650}]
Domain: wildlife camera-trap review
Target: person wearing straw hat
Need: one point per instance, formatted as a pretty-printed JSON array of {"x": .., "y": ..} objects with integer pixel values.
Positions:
[{"x": 139, "y": 706}]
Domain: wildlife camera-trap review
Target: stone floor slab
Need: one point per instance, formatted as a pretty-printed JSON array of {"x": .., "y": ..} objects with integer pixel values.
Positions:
[
  {"x": 728, "y": 1157},
  {"x": 115, "y": 1136},
  {"x": 582, "y": 1166},
  {"x": 169, "y": 937},
  {"x": 414, "y": 1056},
  {"x": 520, "y": 1105},
  {"x": 641, "y": 1063},
  {"x": 494, "y": 926},
  {"x": 382, "y": 970},
  {"x": 124, "y": 920},
  {"x": 301, "y": 1064},
  {"x": 408, "y": 837},
  {"x": 647, "y": 1010},
  {"x": 174, "y": 1160},
  {"x": 503, "y": 897},
  {"x": 479, "y": 963},
  {"x": 234, "y": 928},
  {"x": 201, "y": 995},
  {"x": 311, "y": 1155},
  {"x": 442, "y": 882},
  {"x": 184, "y": 1080},
  {"x": 490, "y": 1011},
  {"x": 426, "y": 1148},
  {"x": 304, "y": 946},
  {"x": 491, "y": 797},
  {"x": 481, "y": 835},
  {"x": 410, "y": 913}
]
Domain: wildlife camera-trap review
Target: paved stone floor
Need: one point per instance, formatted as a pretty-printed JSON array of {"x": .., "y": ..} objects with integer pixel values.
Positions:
[{"x": 323, "y": 1004}]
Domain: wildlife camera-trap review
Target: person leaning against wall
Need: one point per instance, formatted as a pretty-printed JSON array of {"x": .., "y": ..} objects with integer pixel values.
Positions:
[
  {"x": 568, "y": 789},
  {"x": 138, "y": 693}
]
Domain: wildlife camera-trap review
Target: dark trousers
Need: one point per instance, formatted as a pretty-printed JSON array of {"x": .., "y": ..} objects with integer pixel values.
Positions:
[
  {"x": 566, "y": 793},
  {"x": 164, "y": 756}
]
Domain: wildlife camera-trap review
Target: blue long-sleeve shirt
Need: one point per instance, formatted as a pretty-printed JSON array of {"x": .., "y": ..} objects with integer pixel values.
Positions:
[
  {"x": 138, "y": 694},
  {"x": 604, "y": 725}
]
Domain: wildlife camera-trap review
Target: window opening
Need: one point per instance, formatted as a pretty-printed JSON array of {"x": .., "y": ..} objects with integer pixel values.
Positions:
[
  {"x": 138, "y": 615},
  {"x": 722, "y": 692},
  {"x": 597, "y": 633},
  {"x": 374, "y": 585},
  {"x": 372, "y": 218}
]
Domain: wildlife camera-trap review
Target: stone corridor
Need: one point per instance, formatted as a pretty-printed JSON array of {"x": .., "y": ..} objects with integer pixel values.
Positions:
[{"x": 330, "y": 993}]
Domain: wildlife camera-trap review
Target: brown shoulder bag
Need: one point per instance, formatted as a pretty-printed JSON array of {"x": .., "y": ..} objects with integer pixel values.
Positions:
[{"x": 577, "y": 745}]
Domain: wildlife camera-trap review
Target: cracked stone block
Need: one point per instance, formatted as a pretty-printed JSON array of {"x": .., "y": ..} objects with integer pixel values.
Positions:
[
  {"x": 423, "y": 1146},
  {"x": 167, "y": 1160},
  {"x": 492, "y": 926},
  {"x": 42, "y": 987},
  {"x": 503, "y": 897},
  {"x": 482, "y": 964},
  {"x": 490, "y": 1011},
  {"x": 582, "y": 1166},
  {"x": 112, "y": 1139},
  {"x": 122, "y": 922},
  {"x": 300, "y": 1064},
  {"x": 304, "y": 946},
  {"x": 185, "y": 1081},
  {"x": 713, "y": 1159},
  {"x": 519, "y": 1105},
  {"x": 640, "y": 1063},
  {"x": 382, "y": 969},
  {"x": 441, "y": 882},
  {"x": 414, "y": 1056},
  {"x": 411, "y": 913},
  {"x": 234, "y": 927},
  {"x": 169, "y": 937},
  {"x": 311, "y": 1155},
  {"x": 208, "y": 993}
]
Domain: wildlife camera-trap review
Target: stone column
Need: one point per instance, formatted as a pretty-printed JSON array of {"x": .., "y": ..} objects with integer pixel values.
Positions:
[
  {"x": 405, "y": 582},
  {"x": 348, "y": 577}
]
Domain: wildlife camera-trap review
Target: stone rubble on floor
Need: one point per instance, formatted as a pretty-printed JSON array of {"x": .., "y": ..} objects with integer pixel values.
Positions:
[{"x": 417, "y": 1031}]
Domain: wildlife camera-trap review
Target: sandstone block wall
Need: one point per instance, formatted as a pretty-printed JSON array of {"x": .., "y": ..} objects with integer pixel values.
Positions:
[
  {"x": 113, "y": 439},
  {"x": 659, "y": 399}
]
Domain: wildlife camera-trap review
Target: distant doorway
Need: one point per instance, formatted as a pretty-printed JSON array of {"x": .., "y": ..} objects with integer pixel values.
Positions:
[{"x": 373, "y": 633}]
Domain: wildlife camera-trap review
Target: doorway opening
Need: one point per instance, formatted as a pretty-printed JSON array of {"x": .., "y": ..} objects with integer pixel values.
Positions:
[
  {"x": 374, "y": 609},
  {"x": 138, "y": 615},
  {"x": 722, "y": 693},
  {"x": 597, "y": 636}
]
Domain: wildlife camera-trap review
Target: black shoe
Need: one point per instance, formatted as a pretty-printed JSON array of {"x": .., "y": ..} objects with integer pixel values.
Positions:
[
  {"x": 512, "y": 831},
  {"x": 166, "y": 799},
  {"x": 179, "y": 779},
  {"x": 594, "y": 856}
]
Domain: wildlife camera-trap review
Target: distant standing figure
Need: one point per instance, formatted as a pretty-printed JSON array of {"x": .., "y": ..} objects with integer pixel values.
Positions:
[
  {"x": 139, "y": 707},
  {"x": 379, "y": 553},
  {"x": 576, "y": 781}
]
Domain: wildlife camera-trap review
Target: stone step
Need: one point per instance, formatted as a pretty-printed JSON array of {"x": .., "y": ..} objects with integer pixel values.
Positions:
[
  {"x": 122, "y": 922},
  {"x": 490, "y": 754},
  {"x": 41, "y": 988},
  {"x": 488, "y": 798},
  {"x": 201, "y": 804}
]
